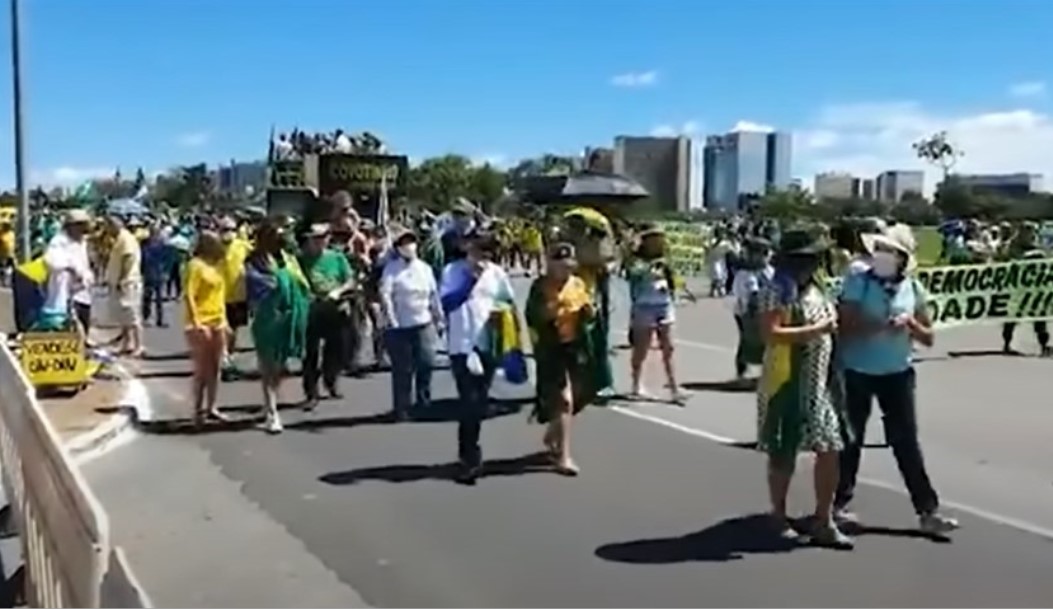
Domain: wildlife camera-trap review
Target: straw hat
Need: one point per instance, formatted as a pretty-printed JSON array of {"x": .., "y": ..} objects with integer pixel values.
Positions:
[
  {"x": 897, "y": 237},
  {"x": 78, "y": 216}
]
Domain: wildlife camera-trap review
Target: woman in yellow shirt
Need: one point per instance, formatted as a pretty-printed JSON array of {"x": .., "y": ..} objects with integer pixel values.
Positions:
[{"x": 204, "y": 298}]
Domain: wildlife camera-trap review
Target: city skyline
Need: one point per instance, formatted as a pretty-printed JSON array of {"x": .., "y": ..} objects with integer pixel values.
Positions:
[{"x": 179, "y": 91}]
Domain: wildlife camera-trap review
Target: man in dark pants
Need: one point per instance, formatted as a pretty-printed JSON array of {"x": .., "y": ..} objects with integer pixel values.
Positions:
[
  {"x": 470, "y": 290},
  {"x": 330, "y": 278},
  {"x": 883, "y": 310},
  {"x": 1024, "y": 246}
]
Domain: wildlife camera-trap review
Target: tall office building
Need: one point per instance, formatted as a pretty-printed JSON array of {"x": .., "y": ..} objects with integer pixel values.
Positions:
[
  {"x": 662, "y": 165},
  {"x": 833, "y": 185},
  {"x": 237, "y": 177},
  {"x": 892, "y": 185},
  {"x": 1007, "y": 185},
  {"x": 743, "y": 164}
]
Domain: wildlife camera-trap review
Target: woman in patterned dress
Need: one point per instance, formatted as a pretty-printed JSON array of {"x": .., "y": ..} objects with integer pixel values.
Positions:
[{"x": 798, "y": 409}]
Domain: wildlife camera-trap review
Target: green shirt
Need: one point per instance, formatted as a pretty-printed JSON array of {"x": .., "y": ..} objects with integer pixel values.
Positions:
[{"x": 326, "y": 271}]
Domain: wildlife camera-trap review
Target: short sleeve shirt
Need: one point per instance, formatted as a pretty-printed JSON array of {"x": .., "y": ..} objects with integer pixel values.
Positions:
[{"x": 884, "y": 352}]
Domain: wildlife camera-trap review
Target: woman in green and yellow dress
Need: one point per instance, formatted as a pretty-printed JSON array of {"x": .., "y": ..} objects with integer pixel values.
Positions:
[
  {"x": 279, "y": 299},
  {"x": 559, "y": 313},
  {"x": 798, "y": 405}
]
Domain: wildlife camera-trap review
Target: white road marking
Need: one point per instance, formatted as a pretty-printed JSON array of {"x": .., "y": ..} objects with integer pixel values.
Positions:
[{"x": 1009, "y": 521}]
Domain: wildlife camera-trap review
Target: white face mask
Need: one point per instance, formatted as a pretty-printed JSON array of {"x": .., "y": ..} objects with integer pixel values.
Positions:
[
  {"x": 408, "y": 251},
  {"x": 885, "y": 264}
]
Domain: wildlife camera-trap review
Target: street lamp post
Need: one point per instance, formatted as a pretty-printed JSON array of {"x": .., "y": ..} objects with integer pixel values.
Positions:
[{"x": 20, "y": 141}]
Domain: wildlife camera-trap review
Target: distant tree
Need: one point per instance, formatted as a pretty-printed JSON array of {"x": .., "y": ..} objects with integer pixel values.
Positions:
[
  {"x": 938, "y": 150},
  {"x": 440, "y": 180},
  {"x": 787, "y": 205},
  {"x": 487, "y": 185}
]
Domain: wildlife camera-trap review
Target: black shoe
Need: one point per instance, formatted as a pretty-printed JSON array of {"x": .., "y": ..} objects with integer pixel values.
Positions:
[
  {"x": 400, "y": 416},
  {"x": 469, "y": 474},
  {"x": 334, "y": 393}
]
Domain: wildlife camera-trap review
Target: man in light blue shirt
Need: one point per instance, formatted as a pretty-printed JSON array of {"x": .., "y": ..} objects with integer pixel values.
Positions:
[{"x": 883, "y": 311}]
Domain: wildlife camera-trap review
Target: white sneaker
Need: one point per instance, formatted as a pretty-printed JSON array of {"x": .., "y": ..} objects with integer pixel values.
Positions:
[
  {"x": 935, "y": 523},
  {"x": 273, "y": 425},
  {"x": 845, "y": 516}
]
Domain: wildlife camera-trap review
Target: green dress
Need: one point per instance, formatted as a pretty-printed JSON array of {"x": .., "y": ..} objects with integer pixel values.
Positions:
[
  {"x": 798, "y": 403},
  {"x": 279, "y": 323}
]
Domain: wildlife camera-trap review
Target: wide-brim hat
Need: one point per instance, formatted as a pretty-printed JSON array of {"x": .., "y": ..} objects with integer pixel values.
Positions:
[
  {"x": 77, "y": 216},
  {"x": 401, "y": 234},
  {"x": 802, "y": 242},
  {"x": 898, "y": 237}
]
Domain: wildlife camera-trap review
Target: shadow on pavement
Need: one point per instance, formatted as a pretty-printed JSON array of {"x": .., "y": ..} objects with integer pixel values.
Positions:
[
  {"x": 730, "y": 539},
  {"x": 441, "y": 411},
  {"x": 985, "y": 353},
  {"x": 188, "y": 428},
  {"x": 729, "y": 386},
  {"x": 165, "y": 374},
  {"x": 533, "y": 463},
  {"x": 166, "y": 357},
  {"x": 752, "y": 445}
]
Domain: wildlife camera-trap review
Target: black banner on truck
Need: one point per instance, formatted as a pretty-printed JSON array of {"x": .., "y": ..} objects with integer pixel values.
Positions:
[{"x": 361, "y": 173}]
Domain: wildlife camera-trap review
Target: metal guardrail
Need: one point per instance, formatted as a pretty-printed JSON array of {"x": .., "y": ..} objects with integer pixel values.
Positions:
[{"x": 64, "y": 531}]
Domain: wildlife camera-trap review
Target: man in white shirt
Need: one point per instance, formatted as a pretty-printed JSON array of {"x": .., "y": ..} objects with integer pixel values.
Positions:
[
  {"x": 470, "y": 291},
  {"x": 409, "y": 300},
  {"x": 125, "y": 280},
  {"x": 69, "y": 270}
]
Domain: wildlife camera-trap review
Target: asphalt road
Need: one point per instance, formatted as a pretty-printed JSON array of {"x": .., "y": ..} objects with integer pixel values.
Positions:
[{"x": 346, "y": 508}]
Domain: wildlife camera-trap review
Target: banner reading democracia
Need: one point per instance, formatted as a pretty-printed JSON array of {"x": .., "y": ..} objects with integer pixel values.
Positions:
[{"x": 1021, "y": 290}]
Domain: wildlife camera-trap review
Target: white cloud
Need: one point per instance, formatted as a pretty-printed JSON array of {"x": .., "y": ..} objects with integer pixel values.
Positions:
[
  {"x": 636, "y": 79},
  {"x": 869, "y": 138},
  {"x": 193, "y": 139},
  {"x": 751, "y": 127},
  {"x": 1032, "y": 88},
  {"x": 67, "y": 176},
  {"x": 688, "y": 128}
]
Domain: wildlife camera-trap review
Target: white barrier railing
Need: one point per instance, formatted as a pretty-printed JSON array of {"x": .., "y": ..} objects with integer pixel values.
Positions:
[{"x": 64, "y": 530}]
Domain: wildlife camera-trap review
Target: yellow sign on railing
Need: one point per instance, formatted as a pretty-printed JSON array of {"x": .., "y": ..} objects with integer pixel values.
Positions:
[{"x": 53, "y": 359}]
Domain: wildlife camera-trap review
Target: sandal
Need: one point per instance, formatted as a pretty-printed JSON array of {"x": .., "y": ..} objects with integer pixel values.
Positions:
[
  {"x": 567, "y": 468},
  {"x": 217, "y": 416}
]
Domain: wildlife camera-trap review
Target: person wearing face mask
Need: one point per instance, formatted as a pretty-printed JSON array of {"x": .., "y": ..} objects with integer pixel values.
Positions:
[
  {"x": 797, "y": 405},
  {"x": 883, "y": 312},
  {"x": 559, "y": 311},
  {"x": 409, "y": 302},
  {"x": 471, "y": 289},
  {"x": 330, "y": 278}
]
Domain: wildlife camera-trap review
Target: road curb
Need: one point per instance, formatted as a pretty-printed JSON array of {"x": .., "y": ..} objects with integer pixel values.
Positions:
[{"x": 132, "y": 407}]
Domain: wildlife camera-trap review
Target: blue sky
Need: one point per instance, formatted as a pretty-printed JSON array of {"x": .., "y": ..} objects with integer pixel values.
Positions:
[{"x": 162, "y": 82}]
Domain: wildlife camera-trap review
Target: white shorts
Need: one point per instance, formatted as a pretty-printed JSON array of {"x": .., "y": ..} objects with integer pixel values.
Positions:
[{"x": 125, "y": 305}]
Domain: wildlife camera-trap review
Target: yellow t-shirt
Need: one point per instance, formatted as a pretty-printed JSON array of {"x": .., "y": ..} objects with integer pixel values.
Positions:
[
  {"x": 124, "y": 245},
  {"x": 7, "y": 245},
  {"x": 567, "y": 305},
  {"x": 234, "y": 269},
  {"x": 532, "y": 240},
  {"x": 205, "y": 291}
]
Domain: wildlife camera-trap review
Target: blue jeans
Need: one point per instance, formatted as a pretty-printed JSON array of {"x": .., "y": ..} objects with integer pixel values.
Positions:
[{"x": 412, "y": 352}]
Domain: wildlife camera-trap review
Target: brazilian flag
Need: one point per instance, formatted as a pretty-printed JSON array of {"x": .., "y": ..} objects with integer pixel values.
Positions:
[{"x": 29, "y": 288}]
